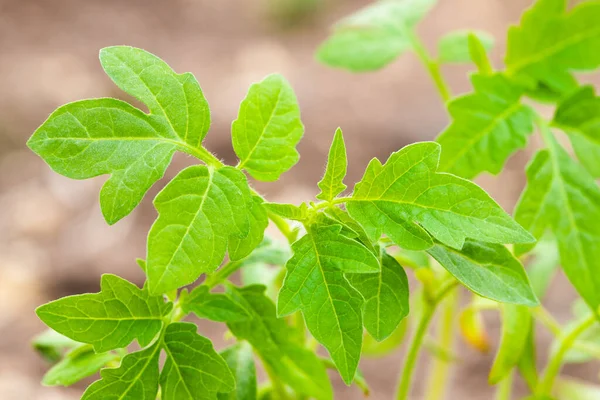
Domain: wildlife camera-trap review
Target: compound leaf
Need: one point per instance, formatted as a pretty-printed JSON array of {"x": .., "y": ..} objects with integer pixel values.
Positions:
[
  {"x": 213, "y": 306},
  {"x": 332, "y": 183},
  {"x": 108, "y": 320},
  {"x": 271, "y": 337},
  {"x": 241, "y": 362},
  {"x": 136, "y": 378},
  {"x": 551, "y": 42},
  {"x": 489, "y": 270},
  {"x": 267, "y": 129},
  {"x": 487, "y": 126},
  {"x": 315, "y": 284},
  {"x": 88, "y": 138},
  {"x": 454, "y": 46},
  {"x": 562, "y": 196},
  {"x": 193, "y": 369},
  {"x": 79, "y": 363},
  {"x": 374, "y": 36},
  {"x": 408, "y": 200},
  {"x": 386, "y": 297},
  {"x": 199, "y": 211}
]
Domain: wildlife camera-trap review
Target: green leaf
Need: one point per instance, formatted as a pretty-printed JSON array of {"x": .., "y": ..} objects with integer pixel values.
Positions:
[
  {"x": 193, "y": 369},
  {"x": 550, "y": 43},
  {"x": 240, "y": 248},
  {"x": 562, "y": 196},
  {"x": 374, "y": 36},
  {"x": 213, "y": 306},
  {"x": 199, "y": 211},
  {"x": 489, "y": 270},
  {"x": 516, "y": 324},
  {"x": 78, "y": 364},
  {"x": 408, "y": 200},
  {"x": 240, "y": 361},
  {"x": 332, "y": 183},
  {"x": 88, "y": 138},
  {"x": 271, "y": 338},
  {"x": 51, "y": 345},
  {"x": 136, "y": 378},
  {"x": 454, "y": 46},
  {"x": 487, "y": 126},
  {"x": 315, "y": 284},
  {"x": 478, "y": 54},
  {"x": 386, "y": 297},
  {"x": 267, "y": 129},
  {"x": 543, "y": 267},
  {"x": 288, "y": 211},
  {"x": 108, "y": 320},
  {"x": 579, "y": 117}
]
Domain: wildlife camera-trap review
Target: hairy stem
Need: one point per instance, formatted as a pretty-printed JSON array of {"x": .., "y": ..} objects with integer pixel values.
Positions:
[
  {"x": 290, "y": 234},
  {"x": 433, "y": 68},
  {"x": 565, "y": 342}
]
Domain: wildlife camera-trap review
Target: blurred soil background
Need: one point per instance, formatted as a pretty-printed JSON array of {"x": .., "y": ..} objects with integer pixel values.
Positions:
[{"x": 53, "y": 240}]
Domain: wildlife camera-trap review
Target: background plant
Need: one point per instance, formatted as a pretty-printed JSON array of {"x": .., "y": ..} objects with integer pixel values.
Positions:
[{"x": 210, "y": 209}]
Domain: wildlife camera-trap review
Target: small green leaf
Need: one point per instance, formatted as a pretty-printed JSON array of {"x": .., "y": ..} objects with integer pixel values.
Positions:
[
  {"x": 136, "y": 378},
  {"x": 374, "y": 36},
  {"x": 408, "y": 200},
  {"x": 79, "y": 363},
  {"x": 88, "y": 138},
  {"x": 478, "y": 55},
  {"x": 551, "y": 42},
  {"x": 271, "y": 338},
  {"x": 489, "y": 270},
  {"x": 487, "y": 126},
  {"x": 51, "y": 345},
  {"x": 315, "y": 284},
  {"x": 108, "y": 320},
  {"x": 454, "y": 46},
  {"x": 193, "y": 369},
  {"x": 240, "y": 361},
  {"x": 516, "y": 324},
  {"x": 579, "y": 117},
  {"x": 332, "y": 183},
  {"x": 562, "y": 196},
  {"x": 213, "y": 306},
  {"x": 199, "y": 211},
  {"x": 267, "y": 129},
  {"x": 386, "y": 297},
  {"x": 288, "y": 211}
]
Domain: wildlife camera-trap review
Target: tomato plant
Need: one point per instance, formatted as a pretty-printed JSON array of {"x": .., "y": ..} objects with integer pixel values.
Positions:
[{"x": 340, "y": 280}]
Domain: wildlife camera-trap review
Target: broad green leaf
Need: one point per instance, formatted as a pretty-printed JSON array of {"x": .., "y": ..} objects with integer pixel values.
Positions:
[
  {"x": 551, "y": 42},
  {"x": 487, "y": 126},
  {"x": 489, "y": 270},
  {"x": 373, "y": 348},
  {"x": 213, "y": 306},
  {"x": 516, "y": 324},
  {"x": 562, "y": 196},
  {"x": 79, "y": 363},
  {"x": 108, "y": 320},
  {"x": 240, "y": 248},
  {"x": 332, "y": 183},
  {"x": 315, "y": 284},
  {"x": 136, "y": 378},
  {"x": 408, "y": 200},
  {"x": 88, "y": 138},
  {"x": 374, "y": 36},
  {"x": 240, "y": 360},
  {"x": 288, "y": 211},
  {"x": 51, "y": 345},
  {"x": 193, "y": 369},
  {"x": 478, "y": 54},
  {"x": 267, "y": 129},
  {"x": 579, "y": 117},
  {"x": 386, "y": 297},
  {"x": 199, "y": 211},
  {"x": 454, "y": 46},
  {"x": 270, "y": 337}
]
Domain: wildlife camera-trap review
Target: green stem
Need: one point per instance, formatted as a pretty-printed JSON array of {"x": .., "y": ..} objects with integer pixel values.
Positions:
[
  {"x": 565, "y": 342},
  {"x": 290, "y": 234},
  {"x": 278, "y": 388},
  {"x": 433, "y": 67},
  {"x": 417, "y": 339},
  {"x": 440, "y": 371},
  {"x": 504, "y": 391},
  {"x": 222, "y": 274}
]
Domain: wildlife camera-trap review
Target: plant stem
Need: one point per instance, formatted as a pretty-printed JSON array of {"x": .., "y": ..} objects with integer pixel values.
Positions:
[
  {"x": 504, "y": 391},
  {"x": 284, "y": 227},
  {"x": 565, "y": 342},
  {"x": 417, "y": 339},
  {"x": 440, "y": 371},
  {"x": 278, "y": 388},
  {"x": 222, "y": 274},
  {"x": 433, "y": 67}
]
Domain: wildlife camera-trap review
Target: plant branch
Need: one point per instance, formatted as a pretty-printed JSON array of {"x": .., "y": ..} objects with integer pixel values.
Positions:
[
  {"x": 432, "y": 66},
  {"x": 504, "y": 390}
]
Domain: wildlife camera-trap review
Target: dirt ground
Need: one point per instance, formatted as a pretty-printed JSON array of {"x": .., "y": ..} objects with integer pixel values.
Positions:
[{"x": 53, "y": 240}]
